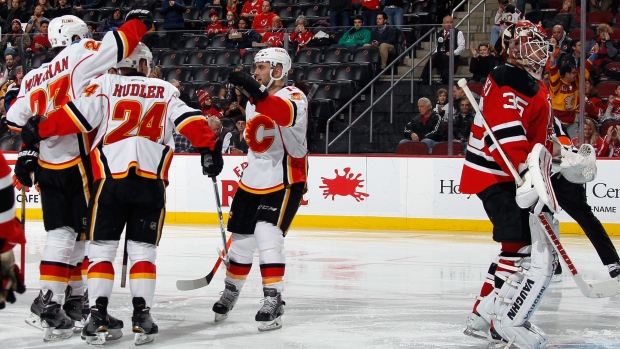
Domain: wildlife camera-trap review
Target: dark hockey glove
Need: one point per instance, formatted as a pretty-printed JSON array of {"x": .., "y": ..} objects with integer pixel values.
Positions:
[
  {"x": 211, "y": 160},
  {"x": 30, "y": 133},
  {"x": 256, "y": 91},
  {"x": 143, "y": 15},
  {"x": 27, "y": 163},
  {"x": 11, "y": 279}
]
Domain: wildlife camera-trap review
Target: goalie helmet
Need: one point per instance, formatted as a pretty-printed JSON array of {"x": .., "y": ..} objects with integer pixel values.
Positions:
[
  {"x": 62, "y": 30},
  {"x": 133, "y": 60},
  {"x": 526, "y": 43},
  {"x": 273, "y": 56}
]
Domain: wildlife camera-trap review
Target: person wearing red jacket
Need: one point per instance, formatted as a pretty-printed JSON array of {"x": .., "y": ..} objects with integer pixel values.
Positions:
[
  {"x": 264, "y": 19},
  {"x": 251, "y": 8},
  {"x": 300, "y": 34},
  {"x": 215, "y": 27},
  {"x": 594, "y": 104},
  {"x": 274, "y": 37}
]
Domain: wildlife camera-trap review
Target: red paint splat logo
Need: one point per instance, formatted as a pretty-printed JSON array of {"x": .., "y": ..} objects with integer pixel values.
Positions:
[{"x": 344, "y": 185}]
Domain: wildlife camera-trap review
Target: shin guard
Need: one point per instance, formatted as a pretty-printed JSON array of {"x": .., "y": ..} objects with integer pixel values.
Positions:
[
  {"x": 142, "y": 273},
  {"x": 241, "y": 254},
  {"x": 270, "y": 242},
  {"x": 55, "y": 268},
  {"x": 100, "y": 269}
]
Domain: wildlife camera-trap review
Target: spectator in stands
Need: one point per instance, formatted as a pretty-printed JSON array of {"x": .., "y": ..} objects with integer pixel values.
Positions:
[
  {"x": 264, "y": 19},
  {"x": 4, "y": 12},
  {"x": 339, "y": 13},
  {"x": 481, "y": 63},
  {"x": 46, "y": 5},
  {"x": 274, "y": 36},
  {"x": 183, "y": 145},
  {"x": 300, "y": 34},
  {"x": 173, "y": 21},
  {"x": 41, "y": 42},
  {"x": 611, "y": 144},
  {"x": 564, "y": 82},
  {"x": 395, "y": 12},
  {"x": 521, "y": 5},
  {"x": 356, "y": 36},
  {"x": 206, "y": 104},
  {"x": 184, "y": 96},
  {"x": 573, "y": 56},
  {"x": 17, "y": 12},
  {"x": 238, "y": 144},
  {"x": 215, "y": 27},
  {"x": 594, "y": 105},
  {"x": 462, "y": 121},
  {"x": 63, "y": 9},
  {"x": 612, "y": 109},
  {"x": 384, "y": 37},
  {"x": 81, "y": 6},
  {"x": 228, "y": 91},
  {"x": 425, "y": 127},
  {"x": 590, "y": 136},
  {"x": 559, "y": 38},
  {"x": 222, "y": 133},
  {"x": 442, "y": 100},
  {"x": 34, "y": 23},
  {"x": 445, "y": 47},
  {"x": 599, "y": 5},
  {"x": 546, "y": 79},
  {"x": 231, "y": 21},
  {"x": 234, "y": 6},
  {"x": 156, "y": 73},
  {"x": 13, "y": 39},
  {"x": 370, "y": 10},
  {"x": 570, "y": 6},
  {"x": 114, "y": 21},
  {"x": 606, "y": 51},
  {"x": 506, "y": 13},
  {"x": 243, "y": 37},
  {"x": 10, "y": 89},
  {"x": 236, "y": 105},
  {"x": 252, "y": 8}
]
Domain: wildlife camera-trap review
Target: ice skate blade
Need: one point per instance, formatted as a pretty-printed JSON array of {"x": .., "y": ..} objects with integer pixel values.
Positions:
[
  {"x": 270, "y": 325},
  {"x": 143, "y": 338},
  {"x": 98, "y": 339},
  {"x": 52, "y": 335},
  {"x": 556, "y": 278},
  {"x": 475, "y": 333},
  {"x": 78, "y": 326},
  {"x": 220, "y": 317},
  {"x": 34, "y": 320},
  {"x": 113, "y": 334}
]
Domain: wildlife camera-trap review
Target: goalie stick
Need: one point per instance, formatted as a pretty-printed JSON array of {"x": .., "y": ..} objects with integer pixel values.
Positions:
[
  {"x": 187, "y": 285},
  {"x": 600, "y": 289}
]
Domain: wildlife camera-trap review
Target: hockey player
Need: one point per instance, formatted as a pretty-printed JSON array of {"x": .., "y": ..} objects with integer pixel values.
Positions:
[
  {"x": 272, "y": 185},
  {"x": 134, "y": 117},
  {"x": 11, "y": 234},
  {"x": 62, "y": 177},
  {"x": 516, "y": 107}
]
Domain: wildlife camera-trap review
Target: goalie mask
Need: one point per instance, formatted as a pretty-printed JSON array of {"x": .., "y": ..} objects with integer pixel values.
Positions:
[
  {"x": 273, "y": 56},
  {"x": 133, "y": 60},
  {"x": 527, "y": 44},
  {"x": 62, "y": 30}
]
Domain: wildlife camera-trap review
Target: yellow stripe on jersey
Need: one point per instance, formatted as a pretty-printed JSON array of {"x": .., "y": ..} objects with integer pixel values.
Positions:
[
  {"x": 60, "y": 166},
  {"x": 126, "y": 52},
  {"x": 94, "y": 210},
  {"x": 53, "y": 278},
  {"x": 92, "y": 275},
  {"x": 85, "y": 184},
  {"x": 166, "y": 165},
  {"x": 133, "y": 276},
  {"x": 188, "y": 120},
  {"x": 285, "y": 200},
  {"x": 291, "y": 113},
  {"x": 75, "y": 119},
  {"x": 261, "y": 191},
  {"x": 98, "y": 168},
  {"x": 268, "y": 281}
]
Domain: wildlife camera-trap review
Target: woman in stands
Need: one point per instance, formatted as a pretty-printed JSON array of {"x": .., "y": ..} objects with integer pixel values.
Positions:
[
  {"x": 570, "y": 6},
  {"x": 481, "y": 63},
  {"x": 235, "y": 6},
  {"x": 590, "y": 136},
  {"x": 612, "y": 110},
  {"x": 300, "y": 34},
  {"x": 231, "y": 21},
  {"x": 594, "y": 104}
]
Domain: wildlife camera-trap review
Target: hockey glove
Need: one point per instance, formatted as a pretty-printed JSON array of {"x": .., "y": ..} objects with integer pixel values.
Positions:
[
  {"x": 143, "y": 15},
  {"x": 27, "y": 162},
  {"x": 211, "y": 160},
  {"x": 245, "y": 81},
  {"x": 11, "y": 279},
  {"x": 30, "y": 132}
]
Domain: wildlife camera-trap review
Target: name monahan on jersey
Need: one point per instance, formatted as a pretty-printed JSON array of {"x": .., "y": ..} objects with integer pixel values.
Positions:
[
  {"x": 134, "y": 117},
  {"x": 276, "y": 136}
]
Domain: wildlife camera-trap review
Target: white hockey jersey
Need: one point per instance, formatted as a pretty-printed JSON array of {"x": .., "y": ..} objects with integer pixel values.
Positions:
[
  {"x": 275, "y": 132},
  {"x": 134, "y": 117},
  {"x": 53, "y": 85}
]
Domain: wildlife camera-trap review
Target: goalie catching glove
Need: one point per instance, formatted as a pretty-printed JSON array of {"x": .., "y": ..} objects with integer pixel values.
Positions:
[
  {"x": 246, "y": 82},
  {"x": 576, "y": 165},
  {"x": 211, "y": 160}
]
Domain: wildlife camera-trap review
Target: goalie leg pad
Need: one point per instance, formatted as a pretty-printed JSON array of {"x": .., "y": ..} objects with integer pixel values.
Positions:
[
  {"x": 240, "y": 254},
  {"x": 270, "y": 241},
  {"x": 55, "y": 268},
  {"x": 142, "y": 273},
  {"x": 100, "y": 270}
]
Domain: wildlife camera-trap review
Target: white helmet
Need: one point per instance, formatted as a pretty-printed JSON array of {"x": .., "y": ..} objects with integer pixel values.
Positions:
[
  {"x": 273, "y": 56},
  {"x": 527, "y": 43},
  {"x": 62, "y": 29},
  {"x": 133, "y": 60}
]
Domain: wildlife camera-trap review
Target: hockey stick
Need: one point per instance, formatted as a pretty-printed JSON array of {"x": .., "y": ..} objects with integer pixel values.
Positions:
[
  {"x": 22, "y": 259},
  {"x": 124, "y": 272},
  {"x": 596, "y": 290},
  {"x": 218, "y": 205},
  {"x": 187, "y": 285}
]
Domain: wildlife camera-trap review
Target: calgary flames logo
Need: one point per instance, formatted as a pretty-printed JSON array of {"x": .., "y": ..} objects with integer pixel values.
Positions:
[{"x": 343, "y": 185}]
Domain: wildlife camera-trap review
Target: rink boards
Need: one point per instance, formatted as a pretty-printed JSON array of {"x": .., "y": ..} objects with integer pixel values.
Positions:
[{"x": 363, "y": 192}]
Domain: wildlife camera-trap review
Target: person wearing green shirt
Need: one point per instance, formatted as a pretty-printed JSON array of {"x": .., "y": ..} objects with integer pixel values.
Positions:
[{"x": 356, "y": 36}]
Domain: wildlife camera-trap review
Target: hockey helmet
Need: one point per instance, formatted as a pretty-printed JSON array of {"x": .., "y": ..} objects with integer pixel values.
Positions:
[
  {"x": 527, "y": 44},
  {"x": 62, "y": 30},
  {"x": 273, "y": 56},
  {"x": 133, "y": 60}
]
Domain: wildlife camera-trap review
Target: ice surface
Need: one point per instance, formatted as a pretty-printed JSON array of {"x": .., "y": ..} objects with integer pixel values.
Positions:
[{"x": 344, "y": 289}]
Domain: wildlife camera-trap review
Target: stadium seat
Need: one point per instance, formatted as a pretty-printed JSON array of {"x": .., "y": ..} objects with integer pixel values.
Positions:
[
  {"x": 576, "y": 33},
  {"x": 226, "y": 57},
  {"x": 277, "y": 2},
  {"x": 412, "y": 148},
  {"x": 223, "y": 73},
  {"x": 218, "y": 41},
  {"x": 555, "y": 4},
  {"x": 476, "y": 87},
  {"x": 179, "y": 73},
  {"x": 188, "y": 88},
  {"x": 296, "y": 73},
  {"x": 606, "y": 88},
  {"x": 316, "y": 10},
  {"x": 599, "y": 17},
  {"x": 171, "y": 58},
  {"x": 335, "y": 55},
  {"x": 199, "y": 58},
  {"x": 91, "y": 16},
  {"x": 441, "y": 148},
  {"x": 205, "y": 74},
  {"x": 199, "y": 42},
  {"x": 213, "y": 88},
  {"x": 611, "y": 66},
  {"x": 615, "y": 36},
  {"x": 248, "y": 56},
  {"x": 327, "y": 91},
  {"x": 318, "y": 72},
  {"x": 351, "y": 73},
  {"x": 310, "y": 55},
  {"x": 369, "y": 58},
  {"x": 191, "y": 14},
  {"x": 288, "y": 11},
  {"x": 112, "y": 4}
]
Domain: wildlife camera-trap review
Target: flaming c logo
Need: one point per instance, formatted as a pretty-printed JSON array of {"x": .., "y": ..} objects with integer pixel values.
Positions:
[{"x": 343, "y": 185}]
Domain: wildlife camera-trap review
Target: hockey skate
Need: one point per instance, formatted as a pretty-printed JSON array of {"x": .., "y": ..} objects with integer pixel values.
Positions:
[
  {"x": 55, "y": 323},
  {"x": 34, "y": 318},
  {"x": 101, "y": 326},
  {"x": 226, "y": 303},
  {"x": 142, "y": 323},
  {"x": 477, "y": 326},
  {"x": 614, "y": 270},
  {"x": 269, "y": 317},
  {"x": 74, "y": 308}
]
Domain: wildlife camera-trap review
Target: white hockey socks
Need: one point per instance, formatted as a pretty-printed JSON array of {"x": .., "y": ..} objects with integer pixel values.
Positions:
[
  {"x": 100, "y": 270},
  {"x": 240, "y": 255},
  {"x": 142, "y": 272},
  {"x": 55, "y": 268},
  {"x": 270, "y": 242}
]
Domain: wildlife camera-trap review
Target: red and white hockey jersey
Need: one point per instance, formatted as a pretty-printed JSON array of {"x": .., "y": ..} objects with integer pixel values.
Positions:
[
  {"x": 134, "y": 117},
  {"x": 275, "y": 132},
  {"x": 53, "y": 85},
  {"x": 518, "y": 109}
]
